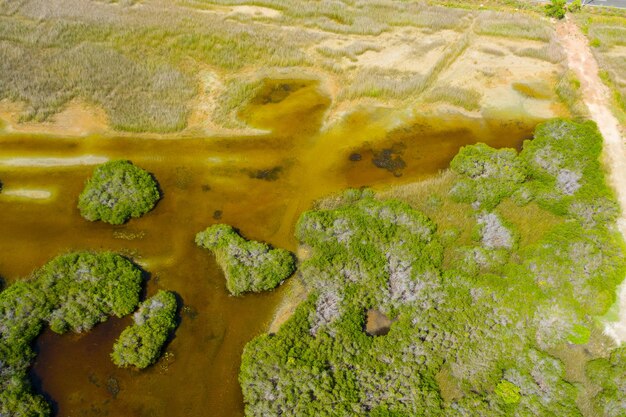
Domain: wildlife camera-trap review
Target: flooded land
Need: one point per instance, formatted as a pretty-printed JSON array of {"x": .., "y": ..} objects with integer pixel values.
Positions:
[{"x": 260, "y": 184}]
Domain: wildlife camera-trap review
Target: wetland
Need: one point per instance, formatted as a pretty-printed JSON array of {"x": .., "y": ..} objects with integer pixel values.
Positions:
[{"x": 204, "y": 181}]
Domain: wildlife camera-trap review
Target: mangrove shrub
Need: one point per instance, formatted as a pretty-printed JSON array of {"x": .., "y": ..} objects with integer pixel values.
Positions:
[
  {"x": 117, "y": 191},
  {"x": 249, "y": 266}
]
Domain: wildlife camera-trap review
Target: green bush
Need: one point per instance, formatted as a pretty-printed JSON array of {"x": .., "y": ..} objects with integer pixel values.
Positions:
[
  {"x": 556, "y": 8},
  {"x": 140, "y": 344},
  {"x": 249, "y": 266},
  {"x": 449, "y": 302},
  {"x": 71, "y": 292},
  {"x": 487, "y": 175},
  {"x": 117, "y": 191},
  {"x": 610, "y": 375}
]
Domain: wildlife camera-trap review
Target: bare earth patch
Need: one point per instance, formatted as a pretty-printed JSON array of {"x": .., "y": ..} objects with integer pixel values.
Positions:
[
  {"x": 257, "y": 11},
  {"x": 77, "y": 119},
  {"x": 597, "y": 98}
]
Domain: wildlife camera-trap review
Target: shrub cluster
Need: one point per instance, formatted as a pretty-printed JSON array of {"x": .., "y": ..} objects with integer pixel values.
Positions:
[
  {"x": 610, "y": 374},
  {"x": 71, "y": 292},
  {"x": 117, "y": 191},
  {"x": 249, "y": 266},
  {"x": 140, "y": 344},
  {"x": 454, "y": 308}
]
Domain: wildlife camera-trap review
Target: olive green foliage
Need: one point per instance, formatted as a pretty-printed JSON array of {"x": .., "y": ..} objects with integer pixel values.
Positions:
[
  {"x": 610, "y": 374},
  {"x": 508, "y": 391},
  {"x": 140, "y": 344},
  {"x": 71, "y": 292},
  {"x": 556, "y": 8},
  {"x": 488, "y": 175},
  {"x": 454, "y": 304},
  {"x": 117, "y": 191},
  {"x": 249, "y": 266}
]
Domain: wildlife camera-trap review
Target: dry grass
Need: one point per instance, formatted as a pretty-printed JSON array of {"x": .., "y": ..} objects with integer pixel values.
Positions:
[
  {"x": 351, "y": 51},
  {"x": 568, "y": 90},
  {"x": 143, "y": 69},
  {"x": 510, "y": 25},
  {"x": 461, "y": 97},
  {"x": 552, "y": 52}
]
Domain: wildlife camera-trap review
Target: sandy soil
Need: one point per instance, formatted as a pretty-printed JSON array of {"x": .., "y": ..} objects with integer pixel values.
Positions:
[
  {"x": 77, "y": 119},
  {"x": 257, "y": 11},
  {"x": 597, "y": 98}
]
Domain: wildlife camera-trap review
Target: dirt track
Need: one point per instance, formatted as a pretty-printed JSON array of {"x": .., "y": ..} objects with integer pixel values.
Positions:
[{"x": 597, "y": 98}]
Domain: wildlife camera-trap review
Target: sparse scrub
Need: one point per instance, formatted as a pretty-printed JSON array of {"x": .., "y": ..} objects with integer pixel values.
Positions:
[
  {"x": 117, "y": 191},
  {"x": 249, "y": 266},
  {"x": 140, "y": 344}
]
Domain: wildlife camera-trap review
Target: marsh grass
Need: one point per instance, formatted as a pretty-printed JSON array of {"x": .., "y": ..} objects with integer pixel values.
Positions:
[
  {"x": 568, "y": 91},
  {"x": 351, "y": 51},
  {"x": 535, "y": 223},
  {"x": 431, "y": 196},
  {"x": 534, "y": 89},
  {"x": 552, "y": 52},
  {"x": 142, "y": 76},
  {"x": 383, "y": 83},
  {"x": 238, "y": 91},
  {"x": 360, "y": 17},
  {"x": 461, "y": 97},
  {"x": 509, "y": 25}
]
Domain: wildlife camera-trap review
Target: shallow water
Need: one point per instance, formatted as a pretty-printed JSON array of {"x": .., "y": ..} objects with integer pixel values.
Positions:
[{"x": 259, "y": 184}]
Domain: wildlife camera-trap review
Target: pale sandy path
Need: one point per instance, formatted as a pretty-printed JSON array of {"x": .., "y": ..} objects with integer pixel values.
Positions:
[{"x": 597, "y": 98}]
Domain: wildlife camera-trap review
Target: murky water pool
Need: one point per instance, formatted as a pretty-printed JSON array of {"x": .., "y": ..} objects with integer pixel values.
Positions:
[{"x": 259, "y": 184}]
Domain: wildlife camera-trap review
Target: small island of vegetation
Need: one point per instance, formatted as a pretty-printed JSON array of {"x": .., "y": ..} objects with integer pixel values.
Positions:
[
  {"x": 71, "y": 292},
  {"x": 249, "y": 266},
  {"x": 117, "y": 191},
  {"x": 140, "y": 344}
]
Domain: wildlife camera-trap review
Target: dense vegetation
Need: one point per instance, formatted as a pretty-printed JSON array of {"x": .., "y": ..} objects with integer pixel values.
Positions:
[
  {"x": 462, "y": 343},
  {"x": 140, "y": 344},
  {"x": 117, "y": 191},
  {"x": 71, "y": 292},
  {"x": 249, "y": 266},
  {"x": 610, "y": 375}
]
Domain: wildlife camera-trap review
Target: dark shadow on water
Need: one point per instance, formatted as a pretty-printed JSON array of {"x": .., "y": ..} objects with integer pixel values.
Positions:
[{"x": 37, "y": 384}]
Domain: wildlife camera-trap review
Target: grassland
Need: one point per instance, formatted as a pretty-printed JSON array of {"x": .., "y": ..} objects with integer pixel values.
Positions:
[{"x": 194, "y": 71}]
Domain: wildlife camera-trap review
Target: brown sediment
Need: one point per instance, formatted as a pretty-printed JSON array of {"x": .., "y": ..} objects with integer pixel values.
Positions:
[{"x": 377, "y": 323}]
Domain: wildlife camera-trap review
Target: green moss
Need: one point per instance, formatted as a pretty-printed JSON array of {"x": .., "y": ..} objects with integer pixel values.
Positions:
[
  {"x": 249, "y": 266},
  {"x": 71, "y": 292},
  {"x": 117, "y": 191},
  {"x": 140, "y": 344}
]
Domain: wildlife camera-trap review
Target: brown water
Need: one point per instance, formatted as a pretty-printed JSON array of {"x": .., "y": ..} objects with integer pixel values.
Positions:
[{"x": 259, "y": 184}]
